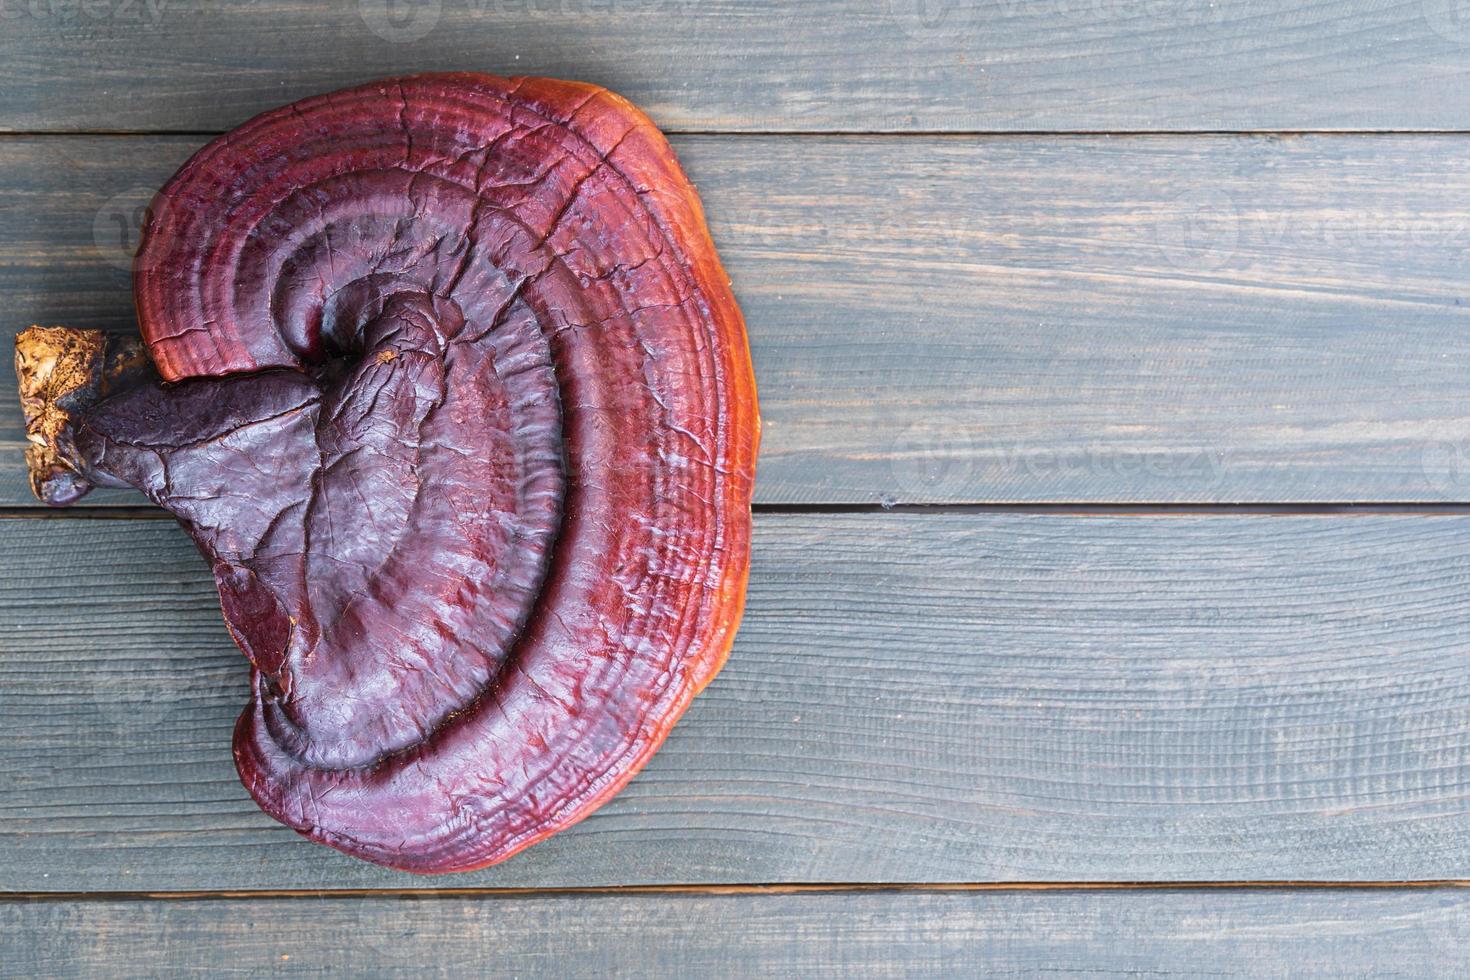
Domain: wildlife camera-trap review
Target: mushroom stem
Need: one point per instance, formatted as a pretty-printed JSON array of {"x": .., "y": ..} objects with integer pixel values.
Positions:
[{"x": 62, "y": 373}]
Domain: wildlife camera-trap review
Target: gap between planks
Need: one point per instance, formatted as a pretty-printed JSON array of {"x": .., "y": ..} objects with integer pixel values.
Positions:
[
  {"x": 769, "y": 889},
  {"x": 985, "y": 134},
  {"x": 145, "y": 512}
]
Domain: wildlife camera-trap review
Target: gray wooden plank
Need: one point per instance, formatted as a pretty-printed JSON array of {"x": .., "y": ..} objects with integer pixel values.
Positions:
[
  {"x": 1199, "y": 319},
  {"x": 849, "y": 65},
  {"x": 1244, "y": 933},
  {"x": 912, "y": 698}
]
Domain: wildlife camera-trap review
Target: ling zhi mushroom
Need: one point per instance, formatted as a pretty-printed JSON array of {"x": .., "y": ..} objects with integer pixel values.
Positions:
[{"x": 444, "y": 377}]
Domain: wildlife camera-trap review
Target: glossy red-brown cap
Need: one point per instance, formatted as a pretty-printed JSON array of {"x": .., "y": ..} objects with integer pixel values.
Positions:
[{"x": 465, "y": 420}]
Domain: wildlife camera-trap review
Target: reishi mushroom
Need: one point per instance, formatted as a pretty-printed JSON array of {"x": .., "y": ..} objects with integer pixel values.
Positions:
[{"x": 444, "y": 377}]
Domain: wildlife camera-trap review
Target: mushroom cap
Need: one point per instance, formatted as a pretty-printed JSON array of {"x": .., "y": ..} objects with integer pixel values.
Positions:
[{"x": 475, "y": 466}]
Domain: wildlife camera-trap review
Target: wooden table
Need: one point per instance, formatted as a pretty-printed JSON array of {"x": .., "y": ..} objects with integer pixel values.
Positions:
[{"x": 1112, "y": 552}]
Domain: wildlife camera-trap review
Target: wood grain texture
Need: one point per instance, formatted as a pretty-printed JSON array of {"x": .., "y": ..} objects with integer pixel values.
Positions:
[
  {"x": 1198, "y": 319},
  {"x": 851, "y": 65},
  {"x": 1244, "y": 933},
  {"x": 923, "y": 698}
]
